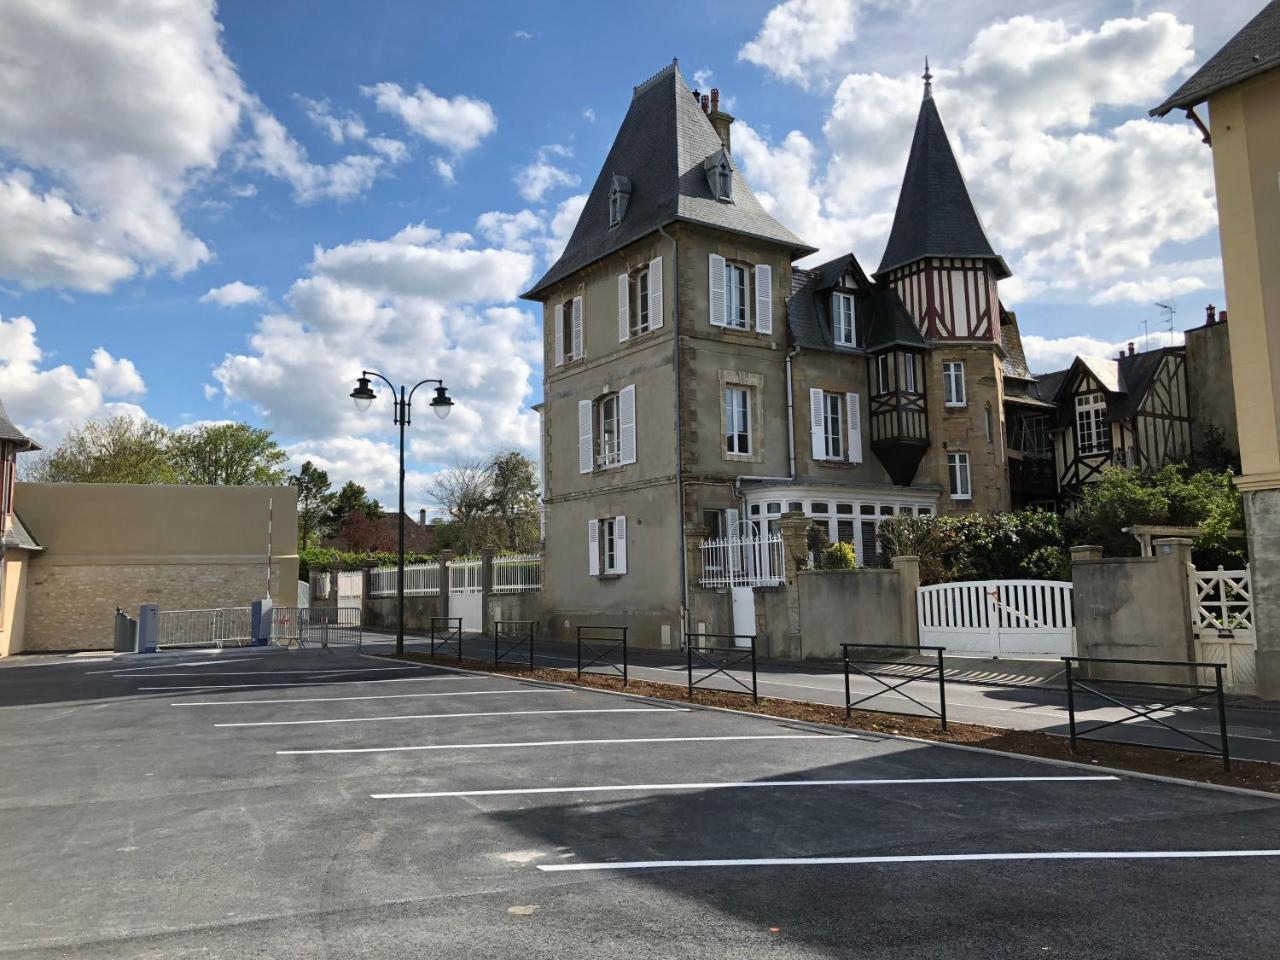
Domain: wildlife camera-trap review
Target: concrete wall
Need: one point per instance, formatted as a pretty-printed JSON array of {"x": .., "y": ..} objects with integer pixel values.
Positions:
[
  {"x": 183, "y": 547},
  {"x": 381, "y": 612},
  {"x": 848, "y": 606},
  {"x": 1135, "y": 608}
]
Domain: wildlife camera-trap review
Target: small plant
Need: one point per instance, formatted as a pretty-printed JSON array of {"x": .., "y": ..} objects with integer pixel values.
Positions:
[{"x": 839, "y": 556}]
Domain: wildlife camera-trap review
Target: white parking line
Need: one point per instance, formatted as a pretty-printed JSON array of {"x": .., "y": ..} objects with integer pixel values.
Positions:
[
  {"x": 288, "y": 684},
  {"x": 646, "y": 787},
  {"x": 927, "y": 858},
  {"x": 371, "y": 696},
  {"x": 569, "y": 743},
  {"x": 446, "y": 716},
  {"x": 262, "y": 673},
  {"x": 170, "y": 666}
]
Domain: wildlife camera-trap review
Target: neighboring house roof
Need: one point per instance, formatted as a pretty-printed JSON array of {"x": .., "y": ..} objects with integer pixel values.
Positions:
[
  {"x": 1255, "y": 49},
  {"x": 1015, "y": 358},
  {"x": 891, "y": 322},
  {"x": 1126, "y": 379},
  {"x": 19, "y": 537},
  {"x": 660, "y": 148},
  {"x": 1048, "y": 384},
  {"x": 10, "y": 432},
  {"x": 935, "y": 216}
]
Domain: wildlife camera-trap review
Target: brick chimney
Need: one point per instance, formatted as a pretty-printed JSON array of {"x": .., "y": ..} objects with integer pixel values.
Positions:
[
  {"x": 719, "y": 119},
  {"x": 422, "y": 517},
  {"x": 1131, "y": 348},
  {"x": 1222, "y": 317},
  {"x": 1210, "y": 315}
]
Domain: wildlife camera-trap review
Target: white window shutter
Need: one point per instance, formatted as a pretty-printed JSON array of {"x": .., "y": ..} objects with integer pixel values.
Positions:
[
  {"x": 764, "y": 298},
  {"x": 593, "y": 548},
  {"x": 576, "y": 323},
  {"x": 624, "y": 307},
  {"x": 715, "y": 267},
  {"x": 853, "y": 403},
  {"x": 620, "y": 544},
  {"x": 816, "y": 428},
  {"x": 559, "y": 322},
  {"x": 655, "y": 293},
  {"x": 584, "y": 436},
  {"x": 627, "y": 424}
]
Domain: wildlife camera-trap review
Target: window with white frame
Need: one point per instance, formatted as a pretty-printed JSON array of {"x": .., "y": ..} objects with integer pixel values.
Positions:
[
  {"x": 833, "y": 425},
  {"x": 737, "y": 296},
  {"x": 842, "y": 325},
  {"x": 608, "y": 431},
  {"x": 909, "y": 382},
  {"x": 958, "y": 476},
  {"x": 607, "y": 546},
  {"x": 640, "y": 302},
  {"x": 568, "y": 330},
  {"x": 988, "y": 422},
  {"x": 953, "y": 394},
  {"x": 883, "y": 378},
  {"x": 737, "y": 420},
  {"x": 1093, "y": 433}
]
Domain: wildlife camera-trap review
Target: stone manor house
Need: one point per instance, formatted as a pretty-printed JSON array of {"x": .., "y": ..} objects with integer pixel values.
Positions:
[{"x": 699, "y": 385}]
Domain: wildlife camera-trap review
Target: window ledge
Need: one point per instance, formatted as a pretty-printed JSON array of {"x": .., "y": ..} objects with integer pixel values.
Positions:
[
  {"x": 609, "y": 576},
  {"x": 962, "y": 496},
  {"x": 955, "y": 406}
]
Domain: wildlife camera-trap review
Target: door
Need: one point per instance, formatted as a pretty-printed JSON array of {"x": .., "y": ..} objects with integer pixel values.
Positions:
[
  {"x": 465, "y": 594},
  {"x": 744, "y": 615}
]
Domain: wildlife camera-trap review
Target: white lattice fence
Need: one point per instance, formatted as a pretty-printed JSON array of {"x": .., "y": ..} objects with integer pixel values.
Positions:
[{"x": 1222, "y": 619}]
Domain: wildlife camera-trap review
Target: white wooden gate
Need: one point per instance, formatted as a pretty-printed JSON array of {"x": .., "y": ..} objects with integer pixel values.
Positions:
[
  {"x": 1222, "y": 621},
  {"x": 998, "y": 618},
  {"x": 466, "y": 593},
  {"x": 350, "y": 588}
]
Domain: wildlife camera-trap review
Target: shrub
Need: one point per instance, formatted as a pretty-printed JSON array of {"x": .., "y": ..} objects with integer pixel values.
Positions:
[{"x": 839, "y": 556}]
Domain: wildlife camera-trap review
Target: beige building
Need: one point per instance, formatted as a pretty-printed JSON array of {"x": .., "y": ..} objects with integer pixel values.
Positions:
[
  {"x": 17, "y": 546},
  {"x": 1241, "y": 85}
]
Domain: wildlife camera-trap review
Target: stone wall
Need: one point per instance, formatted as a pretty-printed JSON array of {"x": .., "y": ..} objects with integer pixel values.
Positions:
[
  {"x": 381, "y": 612},
  {"x": 72, "y": 606},
  {"x": 848, "y": 606}
]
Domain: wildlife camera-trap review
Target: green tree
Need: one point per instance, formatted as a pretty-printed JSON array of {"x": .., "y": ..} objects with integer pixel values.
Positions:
[
  {"x": 119, "y": 450},
  {"x": 514, "y": 499},
  {"x": 315, "y": 500},
  {"x": 230, "y": 454},
  {"x": 352, "y": 498}
]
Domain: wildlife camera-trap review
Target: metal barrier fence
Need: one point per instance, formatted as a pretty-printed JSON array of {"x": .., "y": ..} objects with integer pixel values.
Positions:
[
  {"x": 926, "y": 671},
  {"x": 720, "y": 659},
  {"x": 1198, "y": 692},
  {"x": 603, "y": 644},
  {"x": 214, "y": 627},
  {"x": 511, "y": 635},
  {"x": 445, "y": 631},
  {"x": 317, "y": 626},
  {"x": 519, "y": 574}
]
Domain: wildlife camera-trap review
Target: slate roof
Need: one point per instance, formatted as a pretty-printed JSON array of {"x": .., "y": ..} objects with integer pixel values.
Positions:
[
  {"x": 8, "y": 431},
  {"x": 1047, "y": 384},
  {"x": 891, "y": 322},
  {"x": 660, "y": 147},
  {"x": 19, "y": 538},
  {"x": 1255, "y": 49},
  {"x": 1015, "y": 358},
  {"x": 1126, "y": 379},
  {"x": 935, "y": 216},
  {"x": 880, "y": 317}
]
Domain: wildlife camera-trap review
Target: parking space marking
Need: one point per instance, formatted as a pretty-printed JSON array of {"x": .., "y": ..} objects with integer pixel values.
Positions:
[
  {"x": 262, "y": 673},
  {"x": 302, "y": 683},
  {"x": 925, "y": 858},
  {"x": 170, "y": 666},
  {"x": 446, "y": 716},
  {"x": 647, "y": 787},
  {"x": 571, "y": 743},
  {"x": 370, "y": 696}
]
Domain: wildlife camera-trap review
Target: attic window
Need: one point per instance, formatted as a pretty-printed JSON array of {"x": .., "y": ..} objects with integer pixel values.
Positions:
[
  {"x": 719, "y": 176},
  {"x": 619, "y": 194}
]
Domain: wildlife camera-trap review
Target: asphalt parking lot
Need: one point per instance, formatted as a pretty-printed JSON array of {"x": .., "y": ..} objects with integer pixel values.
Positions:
[{"x": 312, "y": 804}]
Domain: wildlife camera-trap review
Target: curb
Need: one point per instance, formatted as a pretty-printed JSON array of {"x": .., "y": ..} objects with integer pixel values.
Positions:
[{"x": 868, "y": 735}]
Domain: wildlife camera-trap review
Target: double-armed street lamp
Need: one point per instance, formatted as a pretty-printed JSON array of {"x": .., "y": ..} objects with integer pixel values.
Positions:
[{"x": 363, "y": 396}]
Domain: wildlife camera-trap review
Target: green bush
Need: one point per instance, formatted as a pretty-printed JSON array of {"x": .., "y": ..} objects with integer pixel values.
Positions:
[
  {"x": 327, "y": 558},
  {"x": 839, "y": 556}
]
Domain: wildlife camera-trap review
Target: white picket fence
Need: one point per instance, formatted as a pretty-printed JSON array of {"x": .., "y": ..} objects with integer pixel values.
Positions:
[
  {"x": 998, "y": 618},
  {"x": 517, "y": 574},
  {"x": 1222, "y": 621},
  {"x": 420, "y": 580},
  {"x": 742, "y": 561}
]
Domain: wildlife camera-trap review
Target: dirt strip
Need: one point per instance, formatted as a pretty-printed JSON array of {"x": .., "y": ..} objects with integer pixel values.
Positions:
[{"x": 1250, "y": 774}]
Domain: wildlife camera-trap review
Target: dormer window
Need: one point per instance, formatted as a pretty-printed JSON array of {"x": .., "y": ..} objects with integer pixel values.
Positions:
[
  {"x": 842, "y": 325},
  {"x": 619, "y": 194},
  {"x": 719, "y": 176}
]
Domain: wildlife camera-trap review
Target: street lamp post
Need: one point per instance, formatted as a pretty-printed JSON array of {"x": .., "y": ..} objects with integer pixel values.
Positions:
[{"x": 363, "y": 396}]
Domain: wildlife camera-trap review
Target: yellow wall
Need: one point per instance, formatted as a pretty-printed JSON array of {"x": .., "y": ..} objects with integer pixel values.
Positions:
[
  {"x": 183, "y": 547},
  {"x": 1245, "y": 126},
  {"x": 13, "y": 602}
]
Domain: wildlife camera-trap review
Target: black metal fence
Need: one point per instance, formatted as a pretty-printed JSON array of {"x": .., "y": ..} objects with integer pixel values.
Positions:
[
  {"x": 717, "y": 654},
  {"x": 444, "y": 632},
  {"x": 1190, "y": 693},
  {"x": 509, "y": 636},
  {"x": 894, "y": 681},
  {"x": 607, "y": 649}
]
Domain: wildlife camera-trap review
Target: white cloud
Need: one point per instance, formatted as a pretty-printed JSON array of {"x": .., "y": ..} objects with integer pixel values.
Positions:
[
  {"x": 421, "y": 303},
  {"x": 47, "y": 401},
  {"x": 234, "y": 294},
  {"x": 702, "y": 78},
  {"x": 1077, "y": 201},
  {"x": 339, "y": 128},
  {"x": 544, "y": 233},
  {"x": 457, "y": 124},
  {"x": 589, "y": 115},
  {"x": 542, "y": 175},
  {"x": 444, "y": 169},
  {"x": 802, "y": 40},
  {"x": 523, "y": 35},
  {"x": 1172, "y": 280},
  {"x": 1046, "y": 354}
]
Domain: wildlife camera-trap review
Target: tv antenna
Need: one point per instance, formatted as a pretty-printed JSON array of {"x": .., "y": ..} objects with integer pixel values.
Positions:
[{"x": 1169, "y": 310}]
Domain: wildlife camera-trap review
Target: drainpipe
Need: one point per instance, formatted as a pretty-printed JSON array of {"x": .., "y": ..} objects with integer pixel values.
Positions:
[
  {"x": 791, "y": 442},
  {"x": 675, "y": 369}
]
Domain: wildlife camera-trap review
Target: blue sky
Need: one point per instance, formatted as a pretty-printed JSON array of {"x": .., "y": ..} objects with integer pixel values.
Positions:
[{"x": 378, "y": 181}]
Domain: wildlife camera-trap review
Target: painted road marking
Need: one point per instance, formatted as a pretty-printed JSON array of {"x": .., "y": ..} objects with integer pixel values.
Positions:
[
  {"x": 446, "y": 716},
  {"x": 928, "y": 858},
  {"x": 371, "y": 696},
  {"x": 169, "y": 666},
  {"x": 569, "y": 743},
  {"x": 289, "y": 684},
  {"x": 263, "y": 673},
  {"x": 646, "y": 787}
]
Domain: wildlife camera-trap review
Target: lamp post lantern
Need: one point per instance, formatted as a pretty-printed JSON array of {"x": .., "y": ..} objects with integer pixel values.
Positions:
[{"x": 363, "y": 396}]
